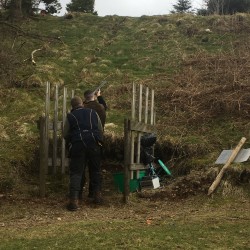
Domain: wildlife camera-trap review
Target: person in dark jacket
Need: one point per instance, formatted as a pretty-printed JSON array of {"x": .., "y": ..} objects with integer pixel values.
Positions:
[
  {"x": 96, "y": 102},
  {"x": 83, "y": 130},
  {"x": 98, "y": 105}
]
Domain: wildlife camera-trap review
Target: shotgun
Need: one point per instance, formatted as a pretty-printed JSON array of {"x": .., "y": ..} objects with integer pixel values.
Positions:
[{"x": 100, "y": 86}]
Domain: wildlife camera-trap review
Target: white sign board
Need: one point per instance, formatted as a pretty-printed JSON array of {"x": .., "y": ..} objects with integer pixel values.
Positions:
[
  {"x": 156, "y": 182},
  {"x": 242, "y": 156}
]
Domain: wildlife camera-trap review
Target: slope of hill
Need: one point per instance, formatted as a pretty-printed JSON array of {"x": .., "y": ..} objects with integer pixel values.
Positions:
[{"x": 199, "y": 67}]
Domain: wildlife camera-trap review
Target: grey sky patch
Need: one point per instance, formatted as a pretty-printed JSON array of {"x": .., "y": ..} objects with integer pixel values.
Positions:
[{"x": 134, "y": 8}]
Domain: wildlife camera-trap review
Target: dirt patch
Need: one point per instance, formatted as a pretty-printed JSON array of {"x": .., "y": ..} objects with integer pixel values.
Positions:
[
  {"x": 176, "y": 197},
  {"x": 183, "y": 187}
]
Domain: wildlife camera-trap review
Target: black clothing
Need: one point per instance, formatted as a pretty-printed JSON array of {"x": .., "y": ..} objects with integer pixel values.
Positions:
[
  {"x": 147, "y": 151},
  {"x": 99, "y": 108},
  {"x": 84, "y": 126},
  {"x": 79, "y": 156},
  {"x": 101, "y": 101},
  {"x": 83, "y": 130}
]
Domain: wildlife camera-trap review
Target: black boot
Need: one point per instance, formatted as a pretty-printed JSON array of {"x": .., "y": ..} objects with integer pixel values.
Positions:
[
  {"x": 73, "y": 205},
  {"x": 80, "y": 196},
  {"x": 98, "y": 200}
]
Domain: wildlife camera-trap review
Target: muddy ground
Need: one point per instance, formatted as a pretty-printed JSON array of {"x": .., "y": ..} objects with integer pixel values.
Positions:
[{"x": 177, "y": 197}]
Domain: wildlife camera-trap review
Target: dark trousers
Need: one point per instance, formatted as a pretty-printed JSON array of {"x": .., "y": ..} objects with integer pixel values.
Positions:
[
  {"x": 84, "y": 180},
  {"x": 84, "y": 176},
  {"x": 79, "y": 156}
]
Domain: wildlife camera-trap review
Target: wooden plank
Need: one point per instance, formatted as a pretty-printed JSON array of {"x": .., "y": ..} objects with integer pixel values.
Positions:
[
  {"x": 132, "y": 150},
  {"x": 59, "y": 162},
  {"x": 126, "y": 161},
  {"x": 140, "y": 103},
  {"x": 137, "y": 166},
  {"x": 229, "y": 161},
  {"x": 63, "y": 121},
  {"x": 54, "y": 155},
  {"x": 142, "y": 127},
  {"x": 47, "y": 100},
  {"x": 133, "y": 102},
  {"x": 138, "y": 153},
  {"x": 152, "y": 113},
  {"x": 43, "y": 165},
  {"x": 52, "y": 125},
  {"x": 132, "y": 137},
  {"x": 152, "y": 107},
  {"x": 146, "y": 105},
  {"x": 47, "y": 110}
]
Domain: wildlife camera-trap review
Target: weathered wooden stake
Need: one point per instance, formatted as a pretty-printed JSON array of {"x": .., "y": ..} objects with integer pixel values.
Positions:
[
  {"x": 43, "y": 163},
  {"x": 63, "y": 121},
  {"x": 54, "y": 156},
  {"x": 126, "y": 160},
  {"x": 138, "y": 154},
  {"x": 224, "y": 168},
  {"x": 47, "y": 111}
]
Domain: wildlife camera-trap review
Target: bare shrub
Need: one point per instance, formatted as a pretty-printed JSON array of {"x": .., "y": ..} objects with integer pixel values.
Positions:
[{"x": 209, "y": 86}]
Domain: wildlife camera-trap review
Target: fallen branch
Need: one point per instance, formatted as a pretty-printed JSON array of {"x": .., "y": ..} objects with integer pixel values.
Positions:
[
  {"x": 32, "y": 55},
  {"x": 223, "y": 170}
]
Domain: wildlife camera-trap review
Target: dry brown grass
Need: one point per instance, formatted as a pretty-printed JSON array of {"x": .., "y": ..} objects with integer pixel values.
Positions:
[{"x": 209, "y": 86}]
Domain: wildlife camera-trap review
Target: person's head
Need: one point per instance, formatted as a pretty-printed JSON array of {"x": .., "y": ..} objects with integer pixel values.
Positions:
[
  {"x": 76, "y": 102},
  {"x": 89, "y": 95}
]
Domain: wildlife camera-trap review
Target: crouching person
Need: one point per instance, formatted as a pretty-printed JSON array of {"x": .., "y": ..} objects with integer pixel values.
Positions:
[{"x": 83, "y": 131}]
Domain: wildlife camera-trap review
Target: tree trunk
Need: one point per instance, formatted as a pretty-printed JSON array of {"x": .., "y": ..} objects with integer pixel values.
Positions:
[{"x": 16, "y": 9}]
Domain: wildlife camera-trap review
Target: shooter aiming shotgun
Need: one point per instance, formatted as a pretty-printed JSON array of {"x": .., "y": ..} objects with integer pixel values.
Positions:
[
  {"x": 100, "y": 107},
  {"x": 99, "y": 97},
  {"x": 100, "y": 86}
]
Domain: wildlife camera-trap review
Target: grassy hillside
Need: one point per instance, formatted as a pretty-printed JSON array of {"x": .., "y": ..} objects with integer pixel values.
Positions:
[{"x": 198, "y": 66}]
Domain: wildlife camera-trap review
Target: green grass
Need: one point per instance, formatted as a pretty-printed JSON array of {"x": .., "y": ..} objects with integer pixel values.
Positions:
[{"x": 128, "y": 235}]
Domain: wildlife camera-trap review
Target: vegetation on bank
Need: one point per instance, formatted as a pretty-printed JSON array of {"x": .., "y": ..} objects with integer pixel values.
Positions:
[{"x": 198, "y": 66}]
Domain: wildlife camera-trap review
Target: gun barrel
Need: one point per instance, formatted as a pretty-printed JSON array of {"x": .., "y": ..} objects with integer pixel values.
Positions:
[{"x": 100, "y": 86}]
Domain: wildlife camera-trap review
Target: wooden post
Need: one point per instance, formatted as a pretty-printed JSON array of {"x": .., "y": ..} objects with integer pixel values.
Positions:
[
  {"x": 133, "y": 102},
  {"x": 54, "y": 156},
  {"x": 152, "y": 112},
  {"x": 47, "y": 110},
  {"x": 126, "y": 160},
  {"x": 63, "y": 121},
  {"x": 43, "y": 164},
  {"x": 152, "y": 107},
  {"x": 229, "y": 161},
  {"x": 146, "y": 106},
  {"x": 139, "y": 133},
  {"x": 132, "y": 139}
]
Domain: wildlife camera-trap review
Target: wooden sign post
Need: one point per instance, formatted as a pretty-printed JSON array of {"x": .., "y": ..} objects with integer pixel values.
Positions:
[{"x": 224, "y": 168}]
